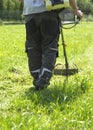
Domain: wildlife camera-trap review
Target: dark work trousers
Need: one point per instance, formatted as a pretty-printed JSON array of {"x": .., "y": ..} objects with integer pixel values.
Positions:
[{"x": 42, "y": 35}]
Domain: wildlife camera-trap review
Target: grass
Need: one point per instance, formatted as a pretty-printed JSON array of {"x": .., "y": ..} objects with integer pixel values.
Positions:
[{"x": 65, "y": 104}]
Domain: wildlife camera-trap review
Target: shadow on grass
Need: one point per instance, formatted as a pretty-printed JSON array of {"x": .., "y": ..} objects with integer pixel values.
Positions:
[{"x": 58, "y": 93}]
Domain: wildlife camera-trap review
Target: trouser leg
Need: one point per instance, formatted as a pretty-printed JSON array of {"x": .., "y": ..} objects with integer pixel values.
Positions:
[
  {"x": 50, "y": 37},
  {"x": 33, "y": 48}
]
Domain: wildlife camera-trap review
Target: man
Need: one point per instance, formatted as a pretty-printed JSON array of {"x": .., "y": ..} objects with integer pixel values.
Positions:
[{"x": 42, "y": 34}]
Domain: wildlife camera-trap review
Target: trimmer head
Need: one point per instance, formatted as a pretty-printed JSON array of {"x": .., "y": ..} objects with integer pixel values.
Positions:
[{"x": 65, "y": 71}]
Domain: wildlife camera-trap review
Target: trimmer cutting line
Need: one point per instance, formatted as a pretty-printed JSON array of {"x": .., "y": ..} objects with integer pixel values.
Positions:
[{"x": 67, "y": 71}]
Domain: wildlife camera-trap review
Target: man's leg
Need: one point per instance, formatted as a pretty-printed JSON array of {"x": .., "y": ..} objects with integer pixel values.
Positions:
[{"x": 33, "y": 48}]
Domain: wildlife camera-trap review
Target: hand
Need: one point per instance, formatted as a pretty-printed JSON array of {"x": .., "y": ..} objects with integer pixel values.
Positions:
[{"x": 79, "y": 13}]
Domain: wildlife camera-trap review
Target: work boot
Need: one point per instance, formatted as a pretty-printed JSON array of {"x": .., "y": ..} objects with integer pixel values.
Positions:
[{"x": 43, "y": 81}]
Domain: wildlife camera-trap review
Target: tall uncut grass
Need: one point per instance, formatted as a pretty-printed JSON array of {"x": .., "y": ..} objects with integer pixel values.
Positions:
[{"x": 65, "y": 104}]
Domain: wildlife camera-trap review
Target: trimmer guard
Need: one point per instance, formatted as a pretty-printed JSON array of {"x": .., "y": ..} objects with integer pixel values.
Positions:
[{"x": 60, "y": 70}]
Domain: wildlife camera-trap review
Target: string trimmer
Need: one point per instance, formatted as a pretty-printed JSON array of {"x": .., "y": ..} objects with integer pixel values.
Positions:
[{"x": 67, "y": 71}]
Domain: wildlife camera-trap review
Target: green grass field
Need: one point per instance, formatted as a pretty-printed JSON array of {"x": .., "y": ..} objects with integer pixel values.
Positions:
[{"x": 64, "y": 105}]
